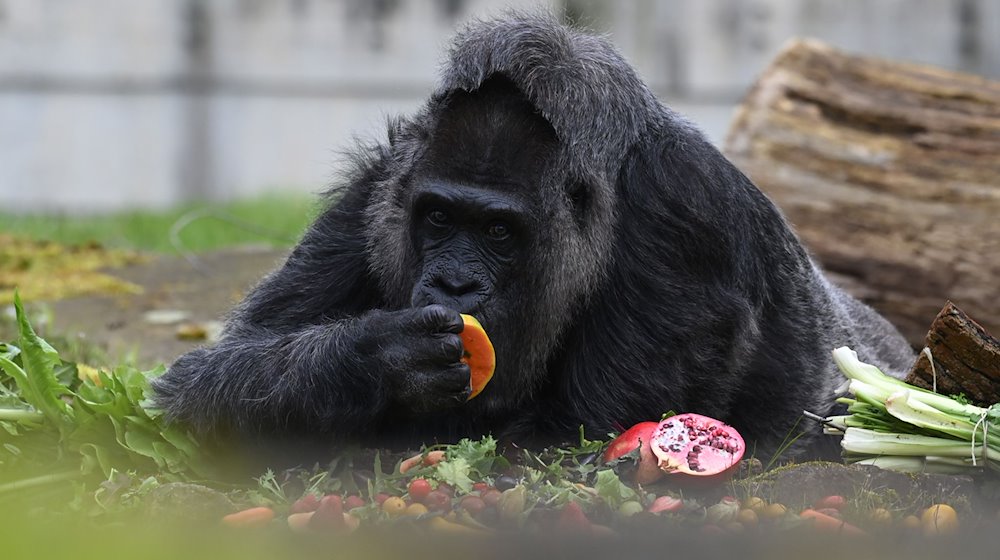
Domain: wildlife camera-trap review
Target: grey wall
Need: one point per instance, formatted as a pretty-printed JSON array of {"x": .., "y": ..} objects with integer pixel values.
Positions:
[{"x": 109, "y": 104}]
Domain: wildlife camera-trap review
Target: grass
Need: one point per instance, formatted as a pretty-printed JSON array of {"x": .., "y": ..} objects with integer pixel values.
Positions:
[{"x": 276, "y": 220}]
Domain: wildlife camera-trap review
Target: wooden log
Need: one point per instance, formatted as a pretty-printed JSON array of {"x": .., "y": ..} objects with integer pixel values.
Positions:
[
  {"x": 890, "y": 173},
  {"x": 966, "y": 359}
]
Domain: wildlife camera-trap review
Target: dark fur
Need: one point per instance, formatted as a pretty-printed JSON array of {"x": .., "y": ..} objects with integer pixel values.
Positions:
[{"x": 663, "y": 279}]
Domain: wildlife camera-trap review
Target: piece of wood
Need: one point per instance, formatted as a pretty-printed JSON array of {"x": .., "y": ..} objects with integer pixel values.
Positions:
[
  {"x": 966, "y": 359},
  {"x": 889, "y": 172}
]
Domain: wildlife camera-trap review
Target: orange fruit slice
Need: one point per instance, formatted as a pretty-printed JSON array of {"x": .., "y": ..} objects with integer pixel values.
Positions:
[{"x": 478, "y": 355}]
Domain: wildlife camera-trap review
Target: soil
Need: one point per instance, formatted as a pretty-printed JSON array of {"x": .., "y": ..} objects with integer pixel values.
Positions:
[{"x": 202, "y": 290}]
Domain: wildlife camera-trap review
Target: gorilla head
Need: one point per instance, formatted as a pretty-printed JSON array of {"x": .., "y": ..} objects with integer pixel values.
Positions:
[
  {"x": 621, "y": 265},
  {"x": 482, "y": 224}
]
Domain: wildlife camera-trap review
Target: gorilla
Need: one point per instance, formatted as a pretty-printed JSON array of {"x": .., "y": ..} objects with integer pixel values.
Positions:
[{"x": 621, "y": 265}]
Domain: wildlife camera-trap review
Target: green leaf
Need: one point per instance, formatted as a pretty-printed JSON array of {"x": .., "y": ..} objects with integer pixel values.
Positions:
[
  {"x": 36, "y": 379},
  {"x": 480, "y": 456},
  {"x": 456, "y": 473},
  {"x": 612, "y": 489}
]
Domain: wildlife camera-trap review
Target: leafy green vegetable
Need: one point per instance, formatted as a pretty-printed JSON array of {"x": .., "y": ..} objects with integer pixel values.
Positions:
[
  {"x": 456, "y": 473},
  {"x": 612, "y": 489},
  {"x": 89, "y": 430}
]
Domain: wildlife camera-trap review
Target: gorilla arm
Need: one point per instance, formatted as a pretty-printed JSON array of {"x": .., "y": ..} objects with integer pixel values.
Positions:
[{"x": 310, "y": 351}]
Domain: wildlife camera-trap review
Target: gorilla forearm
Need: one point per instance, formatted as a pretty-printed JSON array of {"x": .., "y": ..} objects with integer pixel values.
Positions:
[{"x": 254, "y": 381}]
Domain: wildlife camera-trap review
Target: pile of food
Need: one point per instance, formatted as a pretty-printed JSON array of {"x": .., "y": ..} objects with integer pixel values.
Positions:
[
  {"x": 84, "y": 443},
  {"x": 533, "y": 502}
]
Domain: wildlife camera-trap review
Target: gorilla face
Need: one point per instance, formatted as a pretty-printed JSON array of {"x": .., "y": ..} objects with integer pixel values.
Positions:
[
  {"x": 474, "y": 214},
  {"x": 470, "y": 240}
]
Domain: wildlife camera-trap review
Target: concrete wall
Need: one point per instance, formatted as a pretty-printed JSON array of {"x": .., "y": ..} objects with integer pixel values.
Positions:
[{"x": 110, "y": 104}]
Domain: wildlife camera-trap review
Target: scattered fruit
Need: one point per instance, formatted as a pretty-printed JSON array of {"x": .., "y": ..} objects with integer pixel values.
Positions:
[
  {"x": 418, "y": 489},
  {"x": 505, "y": 482},
  {"x": 434, "y": 457},
  {"x": 249, "y": 518},
  {"x": 410, "y": 463},
  {"x": 939, "y": 520},
  {"x": 748, "y": 517},
  {"x": 756, "y": 504},
  {"x": 472, "y": 504},
  {"x": 639, "y": 437},
  {"x": 774, "y": 511},
  {"x": 415, "y": 509},
  {"x": 351, "y": 523},
  {"x": 830, "y": 524},
  {"x": 881, "y": 518},
  {"x": 698, "y": 446},
  {"x": 428, "y": 459},
  {"x": 308, "y": 502},
  {"x": 329, "y": 516},
  {"x": 479, "y": 354},
  {"x": 299, "y": 522},
  {"x": 665, "y": 504},
  {"x": 492, "y": 497},
  {"x": 629, "y": 508},
  {"x": 830, "y": 502},
  {"x": 353, "y": 501},
  {"x": 394, "y": 506},
  {"x": 441, "y": 525},
  {"x": 572, "y": 518},
  {"x": 437, "y": 500}
]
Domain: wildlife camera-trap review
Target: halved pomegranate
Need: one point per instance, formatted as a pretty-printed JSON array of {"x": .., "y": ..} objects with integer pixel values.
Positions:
[
  {"x": 639, "y": 436},
  {"x": 697, "y": 445}
]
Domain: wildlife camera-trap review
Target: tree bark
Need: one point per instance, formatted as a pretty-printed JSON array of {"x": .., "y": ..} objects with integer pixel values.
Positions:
[
  {"x": 966, "y": 359},
  {"x": 890, "y": 173}
]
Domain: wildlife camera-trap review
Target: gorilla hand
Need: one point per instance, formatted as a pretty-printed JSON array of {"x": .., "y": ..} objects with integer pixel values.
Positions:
[{"x": 419, "y": 354}]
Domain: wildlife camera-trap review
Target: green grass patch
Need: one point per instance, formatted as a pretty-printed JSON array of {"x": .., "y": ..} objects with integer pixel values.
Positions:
[{"x": 276, "y": 220}]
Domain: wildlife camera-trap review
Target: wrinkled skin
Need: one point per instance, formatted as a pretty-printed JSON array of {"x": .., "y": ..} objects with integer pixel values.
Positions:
[{"x": 620, "y": 264}]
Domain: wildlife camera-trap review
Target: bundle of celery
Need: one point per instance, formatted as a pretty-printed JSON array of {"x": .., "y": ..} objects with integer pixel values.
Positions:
[{"x": 897, "y": 426}]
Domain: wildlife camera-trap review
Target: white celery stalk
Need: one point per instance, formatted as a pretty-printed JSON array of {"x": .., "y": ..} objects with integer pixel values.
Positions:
[
  {"x": 903, "y": 406},
  {"x": 892, "y": 424},
  {"x": 854, "y": 369},
  {"x": 936, "y": 465},
  {"x": 869, "y": 442}
]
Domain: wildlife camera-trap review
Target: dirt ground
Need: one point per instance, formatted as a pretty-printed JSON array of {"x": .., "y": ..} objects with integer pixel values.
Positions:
[{"x": 196, "y": 293}]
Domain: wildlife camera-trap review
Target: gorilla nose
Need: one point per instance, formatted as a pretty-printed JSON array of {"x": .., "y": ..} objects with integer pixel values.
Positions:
[{"x": 456, "y": 287}]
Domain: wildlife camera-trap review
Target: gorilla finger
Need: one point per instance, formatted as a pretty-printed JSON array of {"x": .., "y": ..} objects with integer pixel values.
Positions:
[
  {"x": 454, "y": 379},
  {"x": 451, "y": 347},
  {"x": 438, "y": 318}
]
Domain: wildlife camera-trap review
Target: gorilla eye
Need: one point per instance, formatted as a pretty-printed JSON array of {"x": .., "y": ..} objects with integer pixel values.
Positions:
[
  {"x": 437, "y": 218},
  {"x": 498, "y": 231}
]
